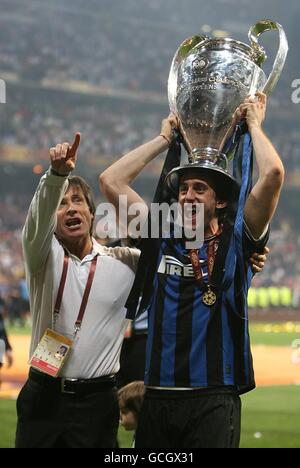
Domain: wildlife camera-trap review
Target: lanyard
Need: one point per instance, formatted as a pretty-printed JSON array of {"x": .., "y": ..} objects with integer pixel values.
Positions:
[
  {"x": 86, "y": 293},
  {"x": 209, "y": 296}
]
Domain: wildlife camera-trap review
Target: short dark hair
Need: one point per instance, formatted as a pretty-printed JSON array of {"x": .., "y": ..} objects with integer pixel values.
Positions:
[
  {"x": 216, "y": 182},
  {"x": 132, "y": 396},
  {"x": 79, "y": 182}
]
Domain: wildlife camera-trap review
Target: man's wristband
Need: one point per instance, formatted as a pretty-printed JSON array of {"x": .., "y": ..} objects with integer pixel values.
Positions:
[
  {"x": 55, "y": 173},
  {"x": 167, "y": 139}
]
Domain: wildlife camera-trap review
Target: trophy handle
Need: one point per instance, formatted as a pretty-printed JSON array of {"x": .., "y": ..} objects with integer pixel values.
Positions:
[
  {"x": 255, "y": 31},
  {"x": 179, "y": 56}
]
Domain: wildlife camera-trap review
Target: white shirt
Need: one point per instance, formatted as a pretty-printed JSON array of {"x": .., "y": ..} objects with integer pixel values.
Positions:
[{"x": 96, "y": 351}]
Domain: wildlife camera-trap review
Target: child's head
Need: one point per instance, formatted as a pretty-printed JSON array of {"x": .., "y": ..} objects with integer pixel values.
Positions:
[{"x": 130, "y": 402}]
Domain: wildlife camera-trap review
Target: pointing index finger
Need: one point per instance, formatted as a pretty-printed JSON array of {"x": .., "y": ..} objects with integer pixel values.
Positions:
[{"x": 72, "y": 149}]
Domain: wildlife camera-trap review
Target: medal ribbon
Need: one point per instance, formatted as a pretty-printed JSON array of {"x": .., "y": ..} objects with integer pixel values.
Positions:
[{"x": 194, "y": 257}]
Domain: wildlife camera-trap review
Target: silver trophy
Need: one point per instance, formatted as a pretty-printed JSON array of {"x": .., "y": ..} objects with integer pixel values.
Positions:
[{"x": 209, "y": 79}]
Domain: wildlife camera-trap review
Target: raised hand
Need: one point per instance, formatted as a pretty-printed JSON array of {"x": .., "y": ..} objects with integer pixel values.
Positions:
[
  {"x": 167, "y": 127},
  {"x": 258, "y": 260},
  {"x": 63, "y": 157},
  {"x": 252, "y": 109}
]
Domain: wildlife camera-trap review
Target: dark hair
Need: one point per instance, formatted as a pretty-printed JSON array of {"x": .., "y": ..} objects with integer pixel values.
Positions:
[
  {"x": 132, "y": 395},
  {"x": 224, "y": 192},
  {"x": 79, "y": 182}
]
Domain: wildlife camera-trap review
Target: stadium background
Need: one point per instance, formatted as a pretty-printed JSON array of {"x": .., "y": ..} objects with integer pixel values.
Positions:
[{"x": 101, "y": 67}]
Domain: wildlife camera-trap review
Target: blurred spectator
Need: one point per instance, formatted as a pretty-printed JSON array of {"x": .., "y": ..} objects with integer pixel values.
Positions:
[
  {"x": 16, "y": 312},
  {"x": 5, "y": 347}
]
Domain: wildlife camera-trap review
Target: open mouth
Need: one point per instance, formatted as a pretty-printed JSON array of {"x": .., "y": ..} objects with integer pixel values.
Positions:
[
  {"x": 73, "y": 223},
  {"x": 190, "y": 211}
]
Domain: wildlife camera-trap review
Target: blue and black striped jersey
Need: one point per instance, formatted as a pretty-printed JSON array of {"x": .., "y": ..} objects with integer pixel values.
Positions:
[{"x": 190, "y": 344}]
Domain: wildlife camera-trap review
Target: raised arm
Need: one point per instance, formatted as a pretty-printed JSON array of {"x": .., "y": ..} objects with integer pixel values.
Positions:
[
  {"x": 116, "y": 180},
  {"x": 41, "y": 219},
  {"x": 263, "y": 199}
]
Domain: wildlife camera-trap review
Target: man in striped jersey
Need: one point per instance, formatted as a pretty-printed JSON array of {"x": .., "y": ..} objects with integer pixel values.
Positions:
[{"x": 198, "y": 352}]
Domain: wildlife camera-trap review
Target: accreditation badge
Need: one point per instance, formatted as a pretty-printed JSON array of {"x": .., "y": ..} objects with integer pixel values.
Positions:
[{"x": 51, "y": 353}]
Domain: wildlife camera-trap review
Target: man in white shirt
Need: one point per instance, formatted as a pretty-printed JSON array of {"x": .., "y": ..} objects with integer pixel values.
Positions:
[{"x": 67, "y": 270}]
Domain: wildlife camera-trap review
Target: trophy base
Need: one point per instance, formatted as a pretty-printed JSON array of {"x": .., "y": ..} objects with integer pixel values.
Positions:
[{"x": 209, "y": 156}]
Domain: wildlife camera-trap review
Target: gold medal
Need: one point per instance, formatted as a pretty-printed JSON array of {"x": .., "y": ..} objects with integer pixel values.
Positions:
[{"x": 209, "y": 298}]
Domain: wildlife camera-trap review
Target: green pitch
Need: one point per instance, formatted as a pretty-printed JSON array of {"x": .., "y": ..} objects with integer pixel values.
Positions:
[
  {"x": 270, "y": 415},
  {"x": 274, "y": 334},
  {"x": 270, "y": 419},
  {"x": 7, "y": 423}
]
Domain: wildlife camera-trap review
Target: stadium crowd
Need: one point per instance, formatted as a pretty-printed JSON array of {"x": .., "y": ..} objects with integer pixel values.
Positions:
[
  {"x": 281, "y": 270},
  {"x": 36, "y": 122},
  {"x": 33, "y": 121},
  {"x": 118, "y": 45},
  {"x": 127, "y": 46}
]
